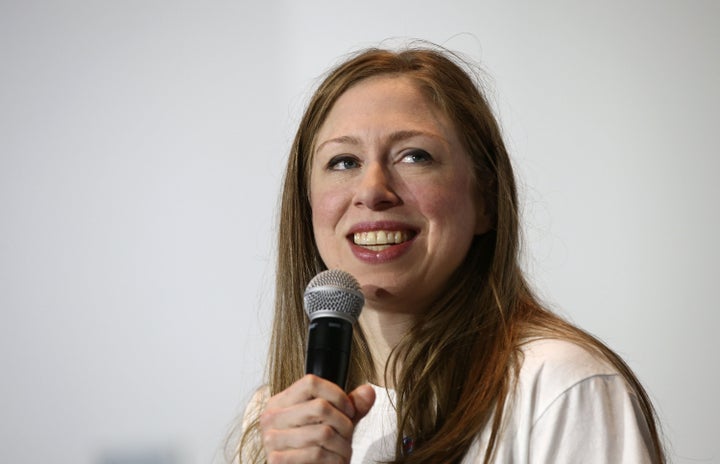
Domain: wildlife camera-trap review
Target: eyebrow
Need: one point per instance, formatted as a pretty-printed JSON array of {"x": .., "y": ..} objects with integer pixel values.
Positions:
[
  {"x": 394, "y": 137},
  {"x": 344, "y": 139}
]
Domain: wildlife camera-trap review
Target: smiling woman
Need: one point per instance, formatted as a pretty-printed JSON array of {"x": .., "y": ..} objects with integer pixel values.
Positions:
[
  {"x": 390, "y": 164},
  {"x": 399, "y": 176}
]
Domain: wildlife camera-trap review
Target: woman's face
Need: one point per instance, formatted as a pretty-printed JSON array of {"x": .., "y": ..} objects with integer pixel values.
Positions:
[{"x": 393, "y": 196}]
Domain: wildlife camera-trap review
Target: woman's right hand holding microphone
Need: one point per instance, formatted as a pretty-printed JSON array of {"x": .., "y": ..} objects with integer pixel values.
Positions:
[{"x": 312, "y": 421}]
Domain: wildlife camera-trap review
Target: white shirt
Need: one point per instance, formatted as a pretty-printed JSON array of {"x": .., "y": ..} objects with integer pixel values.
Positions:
[{"x": 569, "y": 406}]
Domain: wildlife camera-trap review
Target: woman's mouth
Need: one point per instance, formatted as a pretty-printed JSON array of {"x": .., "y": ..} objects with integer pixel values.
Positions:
[{"x": 379, "y": 240}]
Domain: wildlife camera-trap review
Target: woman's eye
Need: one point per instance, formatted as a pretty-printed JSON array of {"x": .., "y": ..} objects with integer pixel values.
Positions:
[
  {"x": 341, "y": 163},
  {"x": 417, "y": 156}
]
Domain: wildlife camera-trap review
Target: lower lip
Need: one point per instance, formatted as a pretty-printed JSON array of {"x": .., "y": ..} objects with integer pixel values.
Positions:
[{"x": 379, "y": 257}]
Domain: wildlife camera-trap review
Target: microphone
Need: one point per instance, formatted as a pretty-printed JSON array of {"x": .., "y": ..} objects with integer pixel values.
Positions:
[{"x": 333, "y": 302}]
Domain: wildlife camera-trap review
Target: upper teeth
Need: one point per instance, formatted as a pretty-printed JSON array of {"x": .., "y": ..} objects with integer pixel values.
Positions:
[{"x": 379, "y": 237}]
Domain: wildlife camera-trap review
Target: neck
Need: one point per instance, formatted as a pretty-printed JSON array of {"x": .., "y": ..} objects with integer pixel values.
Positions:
[{"x": 383, "y": 331}]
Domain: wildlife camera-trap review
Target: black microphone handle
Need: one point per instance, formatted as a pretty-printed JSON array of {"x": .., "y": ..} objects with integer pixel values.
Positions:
[{"x": 328, "y": 349}]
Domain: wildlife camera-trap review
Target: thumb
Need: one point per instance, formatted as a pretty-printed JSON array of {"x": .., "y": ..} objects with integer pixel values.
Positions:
[{"x": 363, "y": 397}]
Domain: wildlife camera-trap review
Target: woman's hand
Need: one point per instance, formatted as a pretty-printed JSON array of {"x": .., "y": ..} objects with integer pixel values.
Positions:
[{"x": 312, "y": 421}]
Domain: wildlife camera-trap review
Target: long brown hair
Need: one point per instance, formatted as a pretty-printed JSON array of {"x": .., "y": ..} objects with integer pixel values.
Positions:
[{"x": 463, "y": 354}]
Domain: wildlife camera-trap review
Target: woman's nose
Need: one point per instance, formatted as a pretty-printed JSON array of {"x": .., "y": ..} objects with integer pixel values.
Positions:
[{"x": 375, "y": 189}]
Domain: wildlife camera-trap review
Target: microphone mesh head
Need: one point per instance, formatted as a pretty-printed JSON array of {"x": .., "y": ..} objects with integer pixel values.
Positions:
[{"x": 334, "y": 293}]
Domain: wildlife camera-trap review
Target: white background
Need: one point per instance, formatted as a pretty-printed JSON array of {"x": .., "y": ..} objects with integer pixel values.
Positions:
[{"x": 141, "y": 149}]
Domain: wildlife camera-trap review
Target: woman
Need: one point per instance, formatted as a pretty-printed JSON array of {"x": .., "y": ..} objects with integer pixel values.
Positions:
[{"x": 398, "y": 175}]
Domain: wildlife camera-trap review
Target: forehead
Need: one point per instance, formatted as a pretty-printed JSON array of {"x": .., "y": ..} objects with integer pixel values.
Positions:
[{"x": 394, "y": 102}]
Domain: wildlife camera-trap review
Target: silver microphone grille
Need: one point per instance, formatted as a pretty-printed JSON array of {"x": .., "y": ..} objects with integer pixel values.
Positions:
[{"x": 334, "y": 293}]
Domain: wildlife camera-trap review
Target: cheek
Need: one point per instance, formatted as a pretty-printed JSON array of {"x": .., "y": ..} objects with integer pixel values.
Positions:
[
  {"x": 450, "y": 205},
  {"x": 328, "y": 207}
]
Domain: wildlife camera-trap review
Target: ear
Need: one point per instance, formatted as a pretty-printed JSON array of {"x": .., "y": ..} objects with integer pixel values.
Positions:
[
  {"x": 485, "y": 210},
  {"x": 484, "y": 220}
]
